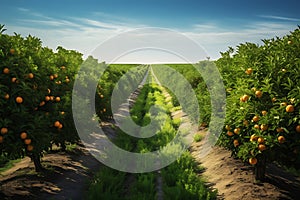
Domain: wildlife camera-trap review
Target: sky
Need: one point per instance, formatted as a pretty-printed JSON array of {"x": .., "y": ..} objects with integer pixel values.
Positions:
[{"x": 107, "y": 26}]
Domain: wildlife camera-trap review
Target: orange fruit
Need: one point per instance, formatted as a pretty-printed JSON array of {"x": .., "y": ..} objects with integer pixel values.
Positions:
[
  {"x": 262, "y": 147},
  {"x": 62, "y": 112},
  {"x": 101, "y": 96},
  {"x": 42, "y": 103},
  {"x": 289, "y": 108},
  {"x": 27, "y": 141},
  {"x": 4, "y": 130},
  {"x": 279, "y": 130},
  {"x": 252, "y": 161},
  {"x": 6, "y": 96},
  {"x": 260, "y": 140},
  {"x": 258, "y": 94},
  {"x": 1, "y": 139},
  {"x": 264, "y": 112},
  {"x": 104, "y": 109},
  {"x": 51, "y": 77},
  {"x": 245, "y": 123},
  {"x": 49, "y": 91},
  {"x": 283, "y": 104},
  {"x": 274, "y": 99},
  {"x": 23, "y": 135},
  {"x": 289, "y": 42},
  {"x": 57, "y": 99},
  {"x": 19, "y": 100},
  {"x": 229, "y": 133},
  {"x": 236, "y": 143},
  {"x": 253, "y": 138},
  {"x": 298, "y": 129},
  {"x": 12, "y": 51},
  {"x": 249, "y": 71},
  {"x": 281, "y": 139},
  {"x": 253, "y": 89},
  {"x": 60, "y": 126},
  {"x": 55, "y": 75},
  {"x": 56, "y": 124},
  {"x": 264, "y": 127},
  {"x": 256, "y": 126},
  {"x": 51, "y": 98},
  {"x": 30, "y": 75},
  {"x": 67, "y": 80},
  {"x": 29, "y": 147},
  {"x": 227, "y": 127},
  {"x": 13, "y": 79},
  {"x": 47, "y": 98},
  {"x": 244, "y": 98},
  {"x": 5, "y": 70},
  {"x": 63, "y": 67},
  {"x": 237, "y": 130},
  {"x": 255, "y": 118}
]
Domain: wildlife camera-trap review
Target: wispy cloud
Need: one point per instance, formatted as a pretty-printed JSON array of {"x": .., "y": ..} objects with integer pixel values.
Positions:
[{"x": 279, "y": 18}]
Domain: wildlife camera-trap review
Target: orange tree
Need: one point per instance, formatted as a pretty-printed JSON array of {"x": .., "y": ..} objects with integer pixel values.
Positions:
[
  {"x": 33, "y": 95},
  {"x": 263, "y": 101}
]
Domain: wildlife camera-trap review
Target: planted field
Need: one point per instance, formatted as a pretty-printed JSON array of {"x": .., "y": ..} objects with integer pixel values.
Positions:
[{"x": 47, "y": 111}]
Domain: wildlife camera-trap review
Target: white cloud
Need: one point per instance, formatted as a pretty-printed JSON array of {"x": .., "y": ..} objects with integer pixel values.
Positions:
[
  {"x": 279, "y": 18},
  {"x": 85, "y": 34}
]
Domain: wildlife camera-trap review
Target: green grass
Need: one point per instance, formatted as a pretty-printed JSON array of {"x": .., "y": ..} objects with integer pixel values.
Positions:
[
  {"x": 198, "y": 138},
  {"x": 8, "y": 164}
]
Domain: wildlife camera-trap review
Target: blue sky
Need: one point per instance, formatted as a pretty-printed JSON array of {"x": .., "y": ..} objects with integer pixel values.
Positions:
[{"x": 215, "y": 25}]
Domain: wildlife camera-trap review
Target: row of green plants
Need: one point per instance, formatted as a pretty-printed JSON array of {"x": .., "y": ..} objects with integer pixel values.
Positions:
[
  {"x": 263, "y": 101},
  {"x": 36, "y": 88},
  {"x": 180, "y": 179}
]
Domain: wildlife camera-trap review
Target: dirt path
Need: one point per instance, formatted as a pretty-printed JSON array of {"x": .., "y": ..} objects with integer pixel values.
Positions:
[
  {"x": 67, "y": 177},
  {"x": 235, "y": 181}
]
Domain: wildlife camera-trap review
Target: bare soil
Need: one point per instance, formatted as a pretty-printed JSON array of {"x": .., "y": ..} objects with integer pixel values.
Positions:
[{"x": 234, "y": 179}]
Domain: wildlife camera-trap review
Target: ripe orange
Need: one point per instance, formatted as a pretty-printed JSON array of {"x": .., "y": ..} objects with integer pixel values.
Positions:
[
  {"x": 274, "y": 99},
  {"x": 60, "y": 126},
  {"x": 289, "y": 108},
  {"x": 281, "y": 139},
  {"x": 63, "y": 67},
  {"x": 57, "y": 99},
  {"x": 55, "y": 75},
  {"x": 19, "y": 100},
  {"x": 101, "y": 96},
  {"x": 51, "y": 98},
  {"x": 237, "y": 130},
  {"x": 47, "y": 98},
  {"x": 264, "y": 127},
  {"x": 279, "y": 130},
  {"x": 289, "y": 42},
  {"x": 258, "y": 94},
  {"x": 62, "y": 112},
  {"x": 51, "y": 77},
  {"x": 23, "y": 135},
  {"x": 255, "y": 118},
  {"x": 12, "y": 51},
  {"x": 5, "y": 70},
  {"x": 298, "y": 129},
  {"x": 249, "y": 71},
  {"x": 6, "y": 96},
  {"x": 42, "y": 103},
  {"x": 253, "y": 138},
  {"x": 49, "y": 91},
  {"x": 1, "y": 139},
  {"x": 227, "y": 127},
  {"x": 4, "y": 130},
  {"x": 262, "y": 147},
  {"x": 264, "y": 112},
  {"x": 244, "y": 98},
  {"x": 229, "y": 133},
  {"x": 30, "y": 75},
  {"x": 260, "y": 140},
  {"x": 13, "y": 79},
  {"x": 245, "y": 123},
  {"x": 252, "y": 161},
  {"x": 29, "y": 147},
  {"x": 67, "y": 80},
  {"x": 27, "y": 141},
  {"x": 56, "y": 124},
  {"x": 104, "y": 109},
  {"x": 256, "y": 126},
  {"x": 236, "y": 143}
]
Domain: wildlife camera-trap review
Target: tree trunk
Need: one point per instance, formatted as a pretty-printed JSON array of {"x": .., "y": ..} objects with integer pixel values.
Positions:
[
  {"x": 260, "y": 168},
  {"x": 37, "y": 162},
  {"x": 63, "y": 146}
]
